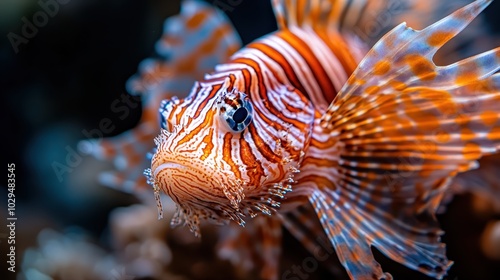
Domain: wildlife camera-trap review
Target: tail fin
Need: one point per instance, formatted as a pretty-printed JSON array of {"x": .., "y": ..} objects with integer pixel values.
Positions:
[
  {"x": 405, "y": 127},
  {"x": 192, "y": 44}
]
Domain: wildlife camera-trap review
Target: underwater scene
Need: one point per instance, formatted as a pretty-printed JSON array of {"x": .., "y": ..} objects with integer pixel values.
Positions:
[{"x": 250, "y": 139}]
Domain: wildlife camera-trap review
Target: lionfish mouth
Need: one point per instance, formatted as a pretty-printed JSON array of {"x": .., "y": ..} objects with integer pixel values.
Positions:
[{"x": 202, "y": 192}]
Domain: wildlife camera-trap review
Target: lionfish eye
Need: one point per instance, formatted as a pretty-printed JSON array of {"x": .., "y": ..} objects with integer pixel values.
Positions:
[{"x": 237, "y": 112}]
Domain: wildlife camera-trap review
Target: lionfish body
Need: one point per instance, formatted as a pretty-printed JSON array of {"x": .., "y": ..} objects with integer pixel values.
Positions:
[
  {"x": 236, "y": 142},
  {"x": 299, "y": 126}
]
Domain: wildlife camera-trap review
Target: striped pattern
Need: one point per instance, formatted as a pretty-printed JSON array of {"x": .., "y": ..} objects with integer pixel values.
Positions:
[
  {"x": 368, "y": 19},
  {"x": 315, "y": 73},
  {"x": 314, "y": 138},
  {"x": 403, "y": 128},
  {"x": 191, "y": 44},
  {"x": 248, "y": 171},
  {"x": 348, "y": 152},
  {"x": 332, "y": 15}
]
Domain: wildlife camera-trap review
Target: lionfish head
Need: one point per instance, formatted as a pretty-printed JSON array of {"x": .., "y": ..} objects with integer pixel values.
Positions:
[{"x": 221, "y": 156}]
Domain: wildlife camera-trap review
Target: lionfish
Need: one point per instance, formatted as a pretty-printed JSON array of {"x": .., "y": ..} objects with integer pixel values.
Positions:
[{"x": 307, "y": 127}]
